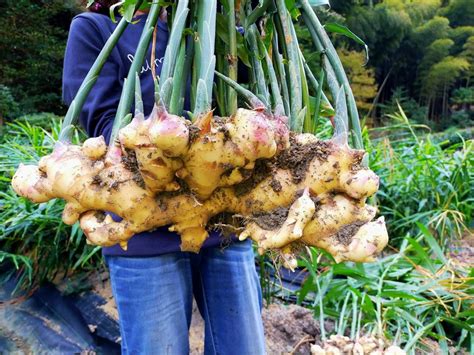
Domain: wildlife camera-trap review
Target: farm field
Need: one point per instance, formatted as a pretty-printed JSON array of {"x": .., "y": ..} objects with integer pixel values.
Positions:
[{"x": 372, "y": 253}]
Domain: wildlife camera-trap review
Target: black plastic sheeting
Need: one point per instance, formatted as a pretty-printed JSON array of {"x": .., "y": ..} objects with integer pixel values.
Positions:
[{"x": 48, "y": 322}]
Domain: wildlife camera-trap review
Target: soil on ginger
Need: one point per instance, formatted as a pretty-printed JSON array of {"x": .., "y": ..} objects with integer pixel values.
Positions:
[
  {"x": 345, "y": 234},
  {"x": 260, "y": 172},
  {"x": 271, "y": 220},
  {"x": 298, "y": 157},
  {"x": 194, "y": 132},
  {"x": 129, "y": 161}
]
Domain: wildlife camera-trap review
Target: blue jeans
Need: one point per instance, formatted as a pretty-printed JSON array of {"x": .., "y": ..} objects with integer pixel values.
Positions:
[{"x": 154, "y": 297}]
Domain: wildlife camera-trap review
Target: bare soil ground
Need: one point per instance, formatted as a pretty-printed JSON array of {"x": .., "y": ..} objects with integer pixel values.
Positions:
[{"x": 462, "y": 251}]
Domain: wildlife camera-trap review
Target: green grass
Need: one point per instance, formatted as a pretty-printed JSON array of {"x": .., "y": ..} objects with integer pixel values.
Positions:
[
  {"x": 36, "y": 245},
  {"x": 415, "y": 291},
  {"x": 422, "y": 180},
  {"x": 406, "y": 297}
]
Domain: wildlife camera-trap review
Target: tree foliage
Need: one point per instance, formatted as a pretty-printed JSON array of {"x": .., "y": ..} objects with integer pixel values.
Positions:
[
  {"x": 32, "y": 40},
  {"x": 362, "y": 79},
  {"x": 425, "y": 47},
  {"x": 459, "y": 12},
  {"x": 410, "y": 44}
]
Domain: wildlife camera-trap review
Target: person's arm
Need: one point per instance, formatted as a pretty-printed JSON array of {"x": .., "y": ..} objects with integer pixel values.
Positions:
[{"x": 83, "y": 46}]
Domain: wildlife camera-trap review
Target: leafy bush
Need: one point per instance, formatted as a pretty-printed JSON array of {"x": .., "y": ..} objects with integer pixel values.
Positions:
[
  {"x": 462, "y": 118},
  {"x": 411, "y": 295},
  {"x": 410, "y": 106},
  {"x": 8, "y": 106},
  {"x": 45, "y": 120},
  {"x": 422, "y": 181},
  {"x": 32, "y": 39},
  {"x": 36, "y": 245},
  {"x": 463, "y": 96}
]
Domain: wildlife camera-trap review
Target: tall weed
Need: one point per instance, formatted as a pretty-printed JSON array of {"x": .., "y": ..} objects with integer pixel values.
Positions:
[
  {"x": 422, "y": 180},
  {"x": 407, "y": 297},
  {"x": 415, "y": 292},
  {"x": 36, "y": 245}
]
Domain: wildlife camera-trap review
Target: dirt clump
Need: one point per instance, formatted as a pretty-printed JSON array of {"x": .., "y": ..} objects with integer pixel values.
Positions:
[
  {"x": 345, "y": 234},
  {"x": 271, "y": 220},
  {"x": 194, "y": 132},
  {"x": 287, "y": 329},
  {"x": 290, "y": 329},
  {"x": 129, "y": 161},
  {"x": 100, "y": 216},
  {"x": 261, "y": 171},
  {"x": 276, "y": 185},
  {"x": 298, "y": 157}
]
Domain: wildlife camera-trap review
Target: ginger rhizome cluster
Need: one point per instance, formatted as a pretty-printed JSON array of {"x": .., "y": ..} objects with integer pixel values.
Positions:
[
  {"x": 251, "y": 172},
  {"x": 285, "y": 188}
]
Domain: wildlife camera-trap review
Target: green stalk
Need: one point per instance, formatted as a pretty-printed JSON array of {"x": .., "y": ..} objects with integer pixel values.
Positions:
[
  {"x": 179, "y": 81},
  {"x": 280, "y": 71},
  {"x": 341, "y": 122},
  {"x": 232, "y": 57},
  {"x": 193, "y": 53},
  {"x": 296, "y": 96},
  {"x": 187, "y": 70},
  {"x": 138, "y": 96},
  {"x": 314, "y": 83},
  {"x": 322, "y": 41},
  {"x": 342, "y": 322},
  {"x": 305, "y": 121},
  {"x": 279, "y": 108},
  {"x": 421, "y": 332},
  {"x": 220, "y": 89},
  {"x": 321, "y": 313},
  {"x": 354, "y": 315},
  {"x": 174, "y": 46},
  {"x": 330, "y": 75},
  {"x": 126, "y": 98},
  {"x": 258, "y": 12},
  {"x": 307, "y": 124},
  {"x": 75, "y": 108},
  {"x": 252, "y": 99},
  {"x": 205, "y": 59},
  {"x": 262, "y": 91},
  {"x": 319, "y": 94}
]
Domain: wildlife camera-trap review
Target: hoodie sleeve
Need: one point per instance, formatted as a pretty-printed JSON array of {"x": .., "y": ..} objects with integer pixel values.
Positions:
[{"x": 84, "y": 44}]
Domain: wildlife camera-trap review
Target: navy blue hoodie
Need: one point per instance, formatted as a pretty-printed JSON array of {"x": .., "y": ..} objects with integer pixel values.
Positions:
[{"x": 87, "y": 35}]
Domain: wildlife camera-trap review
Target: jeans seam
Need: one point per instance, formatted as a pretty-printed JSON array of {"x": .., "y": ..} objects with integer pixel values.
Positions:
[{"x": 208, "y": 318}]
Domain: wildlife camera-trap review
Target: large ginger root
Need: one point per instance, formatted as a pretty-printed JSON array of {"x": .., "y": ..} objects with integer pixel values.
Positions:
[
  {"x": 319, "y": 185},
  {"x": 213, "y": 158}
]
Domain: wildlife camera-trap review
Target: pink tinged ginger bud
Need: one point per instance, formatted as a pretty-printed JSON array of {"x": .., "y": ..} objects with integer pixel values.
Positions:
[
  {"x": 130, "y": 135},
  {"x": 169, "y": 133},
  {"x": 253, "y": 133}
]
